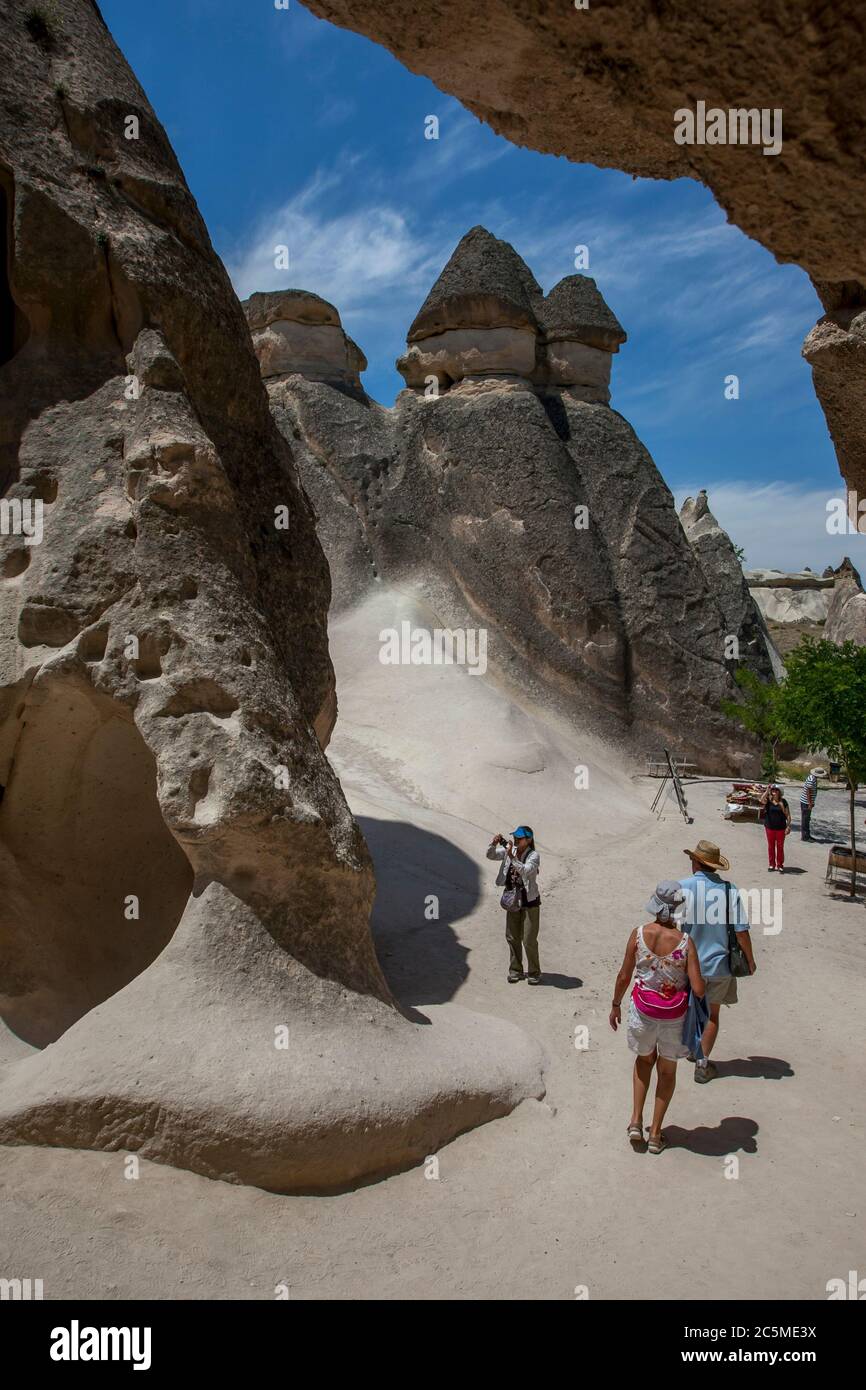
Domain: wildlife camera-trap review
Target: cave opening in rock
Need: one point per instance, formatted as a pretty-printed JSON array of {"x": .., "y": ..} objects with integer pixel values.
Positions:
[{"x": 94, "y": 897}]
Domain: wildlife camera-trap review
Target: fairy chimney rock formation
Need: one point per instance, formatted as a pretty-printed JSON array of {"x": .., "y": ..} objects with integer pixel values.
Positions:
[
  {"x": 487, "y": 316},
  {"x": 580, "y": 335},
  {"x": 846, "y": 619},
  {"x": 294, "y": 331},
  {"x": 520, "y": 503},
  {"x": 724, "y": 573}
]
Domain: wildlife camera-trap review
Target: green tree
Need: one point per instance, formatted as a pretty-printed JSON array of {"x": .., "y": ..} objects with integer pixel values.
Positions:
[
  {"x": 757, "y": 713},
  {"x": 821, "y": 704}
]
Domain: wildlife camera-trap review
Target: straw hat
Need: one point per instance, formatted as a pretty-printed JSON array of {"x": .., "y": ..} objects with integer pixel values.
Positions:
[{"x": 707, "y": 853}]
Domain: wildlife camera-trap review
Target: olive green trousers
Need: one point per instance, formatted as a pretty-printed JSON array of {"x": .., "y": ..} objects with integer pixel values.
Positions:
[{"x": 521, "y": 933}]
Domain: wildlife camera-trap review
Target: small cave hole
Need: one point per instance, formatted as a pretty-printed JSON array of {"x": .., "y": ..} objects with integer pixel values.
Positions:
[
  {"x": 16, "y": 562},
  {"x": 148, "y": 664},
  {"x": 198, "y": 783},
  {"x": 44, "y": 486},
  {"x": 92, "y": 644},
  {"x": 201, "y": 696}
]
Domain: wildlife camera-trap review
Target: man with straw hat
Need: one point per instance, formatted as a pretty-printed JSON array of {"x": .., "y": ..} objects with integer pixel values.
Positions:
[{"x": 710, "y": 904}]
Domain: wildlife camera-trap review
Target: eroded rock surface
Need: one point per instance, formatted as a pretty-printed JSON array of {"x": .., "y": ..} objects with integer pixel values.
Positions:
[
  {"x": 341, "y": 439},
  {"x": 719, "y": 561},
  {"x": 166, "y": 689},
  {"x": 846, "y": 619},
  {"x": 301, "y": 332},
  {"x": 521, "y": 504},
  {"x": 802, "y": 596},
  {"x": 836, "y": 351}
]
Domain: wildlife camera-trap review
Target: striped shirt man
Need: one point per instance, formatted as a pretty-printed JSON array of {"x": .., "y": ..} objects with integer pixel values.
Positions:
[{"x": 807, "y": 801}]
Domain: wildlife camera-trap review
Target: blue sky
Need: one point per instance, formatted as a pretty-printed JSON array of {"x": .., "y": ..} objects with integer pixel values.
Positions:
[{"x": 291, "y": 131}]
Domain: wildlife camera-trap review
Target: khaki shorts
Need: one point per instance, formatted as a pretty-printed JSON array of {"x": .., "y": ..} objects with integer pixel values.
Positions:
[{"x": 722, "y": 990}]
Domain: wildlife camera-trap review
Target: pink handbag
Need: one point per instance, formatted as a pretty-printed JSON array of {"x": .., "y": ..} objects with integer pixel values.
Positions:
[{"x": 655, "y": 1005}]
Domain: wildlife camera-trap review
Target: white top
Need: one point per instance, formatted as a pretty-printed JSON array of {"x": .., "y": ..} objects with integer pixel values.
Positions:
[
  {"x": 657, "y": 971},
  {"x": 527, "y": 868}
]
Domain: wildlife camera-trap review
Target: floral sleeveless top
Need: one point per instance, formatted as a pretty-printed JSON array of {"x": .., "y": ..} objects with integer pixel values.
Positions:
[{"x": 662, "y": 973}]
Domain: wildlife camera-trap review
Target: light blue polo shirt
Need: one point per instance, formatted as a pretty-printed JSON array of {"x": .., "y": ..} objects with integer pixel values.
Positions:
[{"x": 704, "y": 920}]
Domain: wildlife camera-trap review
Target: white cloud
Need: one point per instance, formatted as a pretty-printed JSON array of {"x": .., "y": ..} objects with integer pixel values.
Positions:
[
  {"x": 464, "y": 145},
  {"x": 780, "y": 526},
  {"x": 359, "y": 259},
  {"x": 775, "y": 328}
]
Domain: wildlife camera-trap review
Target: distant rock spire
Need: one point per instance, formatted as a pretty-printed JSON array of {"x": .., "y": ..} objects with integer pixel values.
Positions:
[
  {"x": 723, "y": 571},
  {"x": 846, "y": 618}
]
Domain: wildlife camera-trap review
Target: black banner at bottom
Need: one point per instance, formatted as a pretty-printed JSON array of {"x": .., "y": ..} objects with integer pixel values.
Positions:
[{"x": 62, "y": 1338}]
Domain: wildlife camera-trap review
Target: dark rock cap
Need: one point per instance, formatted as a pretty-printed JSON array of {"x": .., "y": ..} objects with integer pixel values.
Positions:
[
  {"x": 298, "y": 306},
  {"x": 576, "y": 309},
  {"x": 847, "y": 570},
  {"x": 485, "y": 284}
]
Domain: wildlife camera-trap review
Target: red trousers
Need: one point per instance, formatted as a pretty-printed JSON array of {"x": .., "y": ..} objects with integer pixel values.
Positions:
[{"x": 775, "y": 847}]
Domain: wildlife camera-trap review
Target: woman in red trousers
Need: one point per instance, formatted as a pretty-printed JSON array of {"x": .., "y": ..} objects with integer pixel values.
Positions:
[{"x": 777, "y": 824}]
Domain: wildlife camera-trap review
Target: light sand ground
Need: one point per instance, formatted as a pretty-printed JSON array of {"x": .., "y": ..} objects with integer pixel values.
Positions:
[{"x": 550, "y": 1198}]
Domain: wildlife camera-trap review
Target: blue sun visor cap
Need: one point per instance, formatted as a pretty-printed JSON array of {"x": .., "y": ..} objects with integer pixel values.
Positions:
[{"x": 522, "y": 832}]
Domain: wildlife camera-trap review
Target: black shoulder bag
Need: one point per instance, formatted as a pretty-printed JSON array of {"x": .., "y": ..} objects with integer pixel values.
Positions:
[{"x": 737, "y": 962}]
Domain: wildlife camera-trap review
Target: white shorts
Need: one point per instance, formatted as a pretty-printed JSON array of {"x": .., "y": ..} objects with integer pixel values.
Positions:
[{"x": 646, "y": 1035}]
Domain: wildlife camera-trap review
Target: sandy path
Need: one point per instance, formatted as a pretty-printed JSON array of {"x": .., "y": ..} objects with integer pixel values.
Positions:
[{"x": 551, "y": 1197}]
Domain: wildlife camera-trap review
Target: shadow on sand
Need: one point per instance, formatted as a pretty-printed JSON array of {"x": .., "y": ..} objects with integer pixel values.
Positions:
[
  {"x": 549, "y": 977},
  {"x": 734, "y": 1132},
  {"x": 420, "y": 955},
  {"x": 770, "y": 1068}
]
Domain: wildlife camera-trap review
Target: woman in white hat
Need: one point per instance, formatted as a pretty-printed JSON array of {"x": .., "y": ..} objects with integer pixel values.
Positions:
[{"x": 665, "y": 963}]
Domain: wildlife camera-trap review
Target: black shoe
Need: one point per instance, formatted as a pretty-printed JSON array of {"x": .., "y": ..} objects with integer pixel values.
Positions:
[
  {"x": 533, "y": 979},
  {"x": 514, "y": 976}
]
